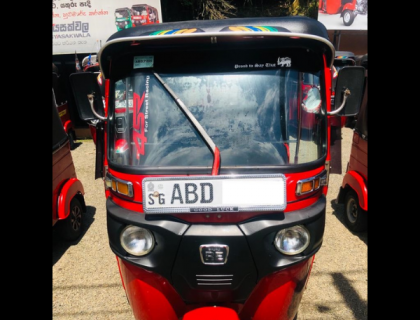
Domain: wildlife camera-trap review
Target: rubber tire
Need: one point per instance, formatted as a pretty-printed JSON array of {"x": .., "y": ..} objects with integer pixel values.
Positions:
[
  {"x": 348, "y": 17},
  {"x": 71, "y": 228},
  {"x": 354, "y": 216}
]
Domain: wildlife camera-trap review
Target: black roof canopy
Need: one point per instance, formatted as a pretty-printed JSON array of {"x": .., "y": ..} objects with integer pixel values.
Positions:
[{"x": 252, "y": 33}]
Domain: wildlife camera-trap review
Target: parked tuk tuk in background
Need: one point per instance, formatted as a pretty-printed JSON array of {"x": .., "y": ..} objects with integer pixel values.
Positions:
[
  {"x": 63, "y": 109},
  {"x": 348, "y": 9},
  {"x": 91, "y": 64},
  {"x": 68, "y": 205},
  {"x": 123, "y": 18},
  {"x": 144, "y": 14},
  {"x": 354, "y": 189},
  {"x": 215, "y": 204},
  {"x": 342, "y": 59}
]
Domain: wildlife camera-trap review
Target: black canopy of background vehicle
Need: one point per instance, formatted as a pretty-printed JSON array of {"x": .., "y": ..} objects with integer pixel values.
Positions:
[{"x": 59, "y": 136}]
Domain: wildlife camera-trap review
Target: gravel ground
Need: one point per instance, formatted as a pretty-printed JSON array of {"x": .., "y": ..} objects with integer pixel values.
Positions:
[{"x": 87, "y": 285}]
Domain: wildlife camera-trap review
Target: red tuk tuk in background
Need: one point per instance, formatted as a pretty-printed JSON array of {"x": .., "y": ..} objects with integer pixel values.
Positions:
[
  {"x": 342, "y": 59},
  {"x": 63, "y": 110},
  {"x": 354, "y": 189},
  {"x": 348, "y": 9},
  {"x": 68, "y": 204},
  {"x": 91, "y": 64},
  {"x": 144, "y": 14},
  {"x": 215, "y": 207}
]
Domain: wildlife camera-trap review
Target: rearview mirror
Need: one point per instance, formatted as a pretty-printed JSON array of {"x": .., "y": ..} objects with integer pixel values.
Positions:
[
  {"x": 83, "y": 85},
  {"x": 349, "y": 89}
]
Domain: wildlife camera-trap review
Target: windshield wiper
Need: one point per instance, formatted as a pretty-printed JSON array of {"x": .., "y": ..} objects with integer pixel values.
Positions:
[{"x": 194, "y": 122}]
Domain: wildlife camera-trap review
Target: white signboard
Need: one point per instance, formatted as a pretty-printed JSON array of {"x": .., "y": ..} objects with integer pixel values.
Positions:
[
  {"x": 343, "y": 14},
  {"x": 84, "y": 26}
]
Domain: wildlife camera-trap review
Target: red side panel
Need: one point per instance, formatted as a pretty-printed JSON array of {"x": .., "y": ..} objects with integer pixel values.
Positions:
[{"x": 211, "y": 313}]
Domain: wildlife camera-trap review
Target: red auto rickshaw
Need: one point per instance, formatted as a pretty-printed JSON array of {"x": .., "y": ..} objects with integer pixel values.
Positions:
[
  {"x": 68, "y": 204},
  {"x": 346, "y": 8},
  {"x": 91, "y": 64},
  {"x": 61, "y": 104},
  {"x": 353, "y": 192},
  {"x": 215, "y": 207},
  {"x": 144, "y": 14}
]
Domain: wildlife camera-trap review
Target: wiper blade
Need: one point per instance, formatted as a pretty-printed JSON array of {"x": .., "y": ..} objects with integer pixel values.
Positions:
[{"x": 210, "y": 143}]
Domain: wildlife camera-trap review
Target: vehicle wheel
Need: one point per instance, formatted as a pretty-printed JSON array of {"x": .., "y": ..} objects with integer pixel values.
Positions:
[
  {"x": 71, "y": 139},
  {"x": 71, "y": 228},
  {"x": 348, "y": 17},
  {"x": 354, "y": 216}
]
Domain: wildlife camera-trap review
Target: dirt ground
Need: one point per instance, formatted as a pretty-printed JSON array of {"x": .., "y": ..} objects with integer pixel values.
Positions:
[{"x": 87, "y": 285}]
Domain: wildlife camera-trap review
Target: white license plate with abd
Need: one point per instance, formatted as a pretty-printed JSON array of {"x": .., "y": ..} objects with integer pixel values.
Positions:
[{"x": 229, "y": 193}]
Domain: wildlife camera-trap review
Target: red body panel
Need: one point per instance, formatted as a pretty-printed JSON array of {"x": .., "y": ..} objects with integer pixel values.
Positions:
[
  {"x": 63, "y": 112},
  {"x": 63, "y": 169},
  {"x": 211, "y": 313},
  {"x": 65, "y": 183},
  {"x": 69, "y": 190},
  {"x": 335, "y": 6},
  {"x": 294, "y": 202},
  {"x": 152, "y": 297},
  {"x": 357, "y": 175}
]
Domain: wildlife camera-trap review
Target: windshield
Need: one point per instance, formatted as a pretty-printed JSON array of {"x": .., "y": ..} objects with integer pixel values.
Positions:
[
  {"x": 139, "y": 10},
  {"x": 255, "y": 118},
  {"x": 122, "y": 14}
]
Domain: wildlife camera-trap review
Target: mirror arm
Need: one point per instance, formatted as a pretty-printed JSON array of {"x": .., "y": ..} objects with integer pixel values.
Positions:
[
  {"x": 346, "y": 94},
  {"x": 91, "y": 98}
]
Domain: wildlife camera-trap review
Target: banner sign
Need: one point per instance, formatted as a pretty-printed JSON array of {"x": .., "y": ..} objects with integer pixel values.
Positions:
[{"x": 84, "y": 26}]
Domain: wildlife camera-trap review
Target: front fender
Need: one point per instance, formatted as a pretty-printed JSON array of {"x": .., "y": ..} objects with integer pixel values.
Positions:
[
  {"x": 69, "y": 190},
  {"x": 68, "y": 125},
  {"x": 357, "y": 183},
  {"x": 349, "y": 6}
]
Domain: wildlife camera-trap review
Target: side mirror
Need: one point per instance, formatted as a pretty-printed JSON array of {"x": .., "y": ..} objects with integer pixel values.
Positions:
[
  {"x": 86, "y": 90},
  {"x": 349, "y": 91}
]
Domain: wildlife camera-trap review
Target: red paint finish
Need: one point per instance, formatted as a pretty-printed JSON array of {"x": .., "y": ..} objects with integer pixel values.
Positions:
[
  {"x": 216, "y": 163},
  {"x": 69, "y": 190},
  {"x": 153, "y": 298},
  {"x": 293, "y": 202},
  {"x": 286, "y": 286},
  {"x": 358, "y": 184},
  {"x": 211, "y": 313}
]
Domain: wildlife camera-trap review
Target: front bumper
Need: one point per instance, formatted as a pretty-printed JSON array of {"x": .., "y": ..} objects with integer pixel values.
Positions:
[{"x": 252, "y": 255}]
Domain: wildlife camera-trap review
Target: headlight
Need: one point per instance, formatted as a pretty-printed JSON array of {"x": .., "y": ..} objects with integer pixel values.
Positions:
[
  {"x": 137, "y": 241},
  {"x": 292, "y": 240}
]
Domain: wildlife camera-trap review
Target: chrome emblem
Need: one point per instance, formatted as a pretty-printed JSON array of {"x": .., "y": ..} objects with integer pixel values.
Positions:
[{"x": 214, "y": 254}]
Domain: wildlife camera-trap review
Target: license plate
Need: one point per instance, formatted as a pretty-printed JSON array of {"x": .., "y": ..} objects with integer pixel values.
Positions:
[{"x": 230, "y": 193}]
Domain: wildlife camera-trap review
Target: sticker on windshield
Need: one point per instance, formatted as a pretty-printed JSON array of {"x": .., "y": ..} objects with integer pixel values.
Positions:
[
  {"x": 284, "y": 62},
  {"x": 143, "y": 62}
]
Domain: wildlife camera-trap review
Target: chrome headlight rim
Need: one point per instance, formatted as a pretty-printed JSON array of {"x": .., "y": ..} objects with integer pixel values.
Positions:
[
  {"x": 131, "y": 229},
  {"x": 301, "y": 230}
]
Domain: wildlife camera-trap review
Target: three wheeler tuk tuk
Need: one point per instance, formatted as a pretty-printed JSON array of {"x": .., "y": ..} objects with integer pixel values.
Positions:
[
  {"x": 62, "y": 106},
  {"x": 348, "y": 9},
  {"x": 144, "y": 14},
  {"x": 91, "y": 64},
  {"x": 123, "y": 18},
  {"x": 215, "y": 205},
  {"x": 68, "y": 203},
  {"x": 353, "y": 192}
]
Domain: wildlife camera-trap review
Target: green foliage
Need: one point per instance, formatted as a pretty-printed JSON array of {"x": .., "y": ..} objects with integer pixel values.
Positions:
[
  {"x": 178, "y": 10},
  {"x": 308, "y": 8},
  {"x": 215, "y": 9}
]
